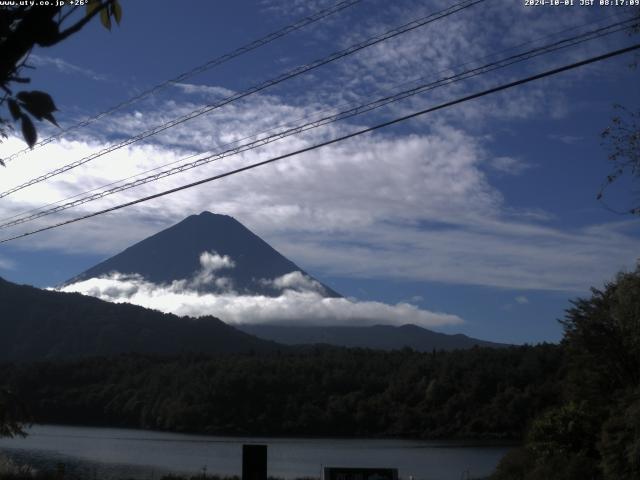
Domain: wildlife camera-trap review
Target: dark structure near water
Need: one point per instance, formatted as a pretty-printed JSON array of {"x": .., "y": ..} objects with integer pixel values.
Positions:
[{"x": 254, "y": 462}]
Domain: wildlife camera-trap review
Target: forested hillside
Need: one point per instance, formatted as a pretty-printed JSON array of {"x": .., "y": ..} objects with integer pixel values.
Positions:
[
  {"x": 38, "y": 324},
  {"x": 478, "y": 393}
]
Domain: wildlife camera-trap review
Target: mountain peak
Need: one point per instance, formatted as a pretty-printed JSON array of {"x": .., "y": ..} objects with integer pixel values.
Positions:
[
  {"x": 177, "y": 253},
  {"x": 209, "y": 216}
]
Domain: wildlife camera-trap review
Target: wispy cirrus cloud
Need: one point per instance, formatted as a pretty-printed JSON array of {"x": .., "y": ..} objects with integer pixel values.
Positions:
[
  {"x": 391, "y": 205},
  {"x": 408, "y": 207},
  {"x": 509, "y": 165},
  {"x": 64, "y": 66}
]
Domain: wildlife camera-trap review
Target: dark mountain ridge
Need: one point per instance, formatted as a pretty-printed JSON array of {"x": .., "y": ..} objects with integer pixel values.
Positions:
[
  {"x": 379, "y": 337},
  {"x": 174, "y": 254},
  {"x": 40, "y": 324}
]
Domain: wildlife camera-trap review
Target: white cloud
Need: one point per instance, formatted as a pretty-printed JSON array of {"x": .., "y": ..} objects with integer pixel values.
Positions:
[
  {"x": 210, "y": 263},
  {"x": 64, "y": 66},
  {"x": 208, "y": 91},
  {"x": 505, "y": 255},
  {"x": 468, "y": 39},
  {"x": 509, "y": 165},
  {"x": 406, "y": 206},
  {"x": 299, "y": 306},
  {"x": 295, "y": 281},
  {"x": 6, "y": 264},
  {"x": 519, "y": 300}
]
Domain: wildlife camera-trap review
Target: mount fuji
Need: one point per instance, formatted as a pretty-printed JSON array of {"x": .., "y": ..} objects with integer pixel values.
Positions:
[{"x": 195, "y": 248}]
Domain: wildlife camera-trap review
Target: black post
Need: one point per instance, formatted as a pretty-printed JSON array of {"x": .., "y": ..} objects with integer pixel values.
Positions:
[
  {"x": 60, "y": 471},
  {"x": 254, "y": 462}
]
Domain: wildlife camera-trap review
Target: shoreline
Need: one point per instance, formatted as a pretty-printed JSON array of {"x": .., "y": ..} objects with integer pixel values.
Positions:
[{"x": 450, "y": 442}]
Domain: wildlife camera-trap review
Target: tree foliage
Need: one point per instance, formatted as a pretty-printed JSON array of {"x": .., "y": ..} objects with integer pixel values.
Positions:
[
  {"x": 620, "y": 441},
  {"x": 594, "y": 431},
  {"x": 477, "y": 393},
  {"x": 622, "y": 141},
  {"x": 24, "y": 26},
  {"x": 622, "y": 138},
  {"x": 602, "y": 337}
]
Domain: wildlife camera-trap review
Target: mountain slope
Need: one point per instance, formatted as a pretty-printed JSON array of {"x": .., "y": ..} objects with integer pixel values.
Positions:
[
  {"x": 174, "y": 254},
  {"x": 39, "y": 324},
  {"x": 382, "y": 337}
]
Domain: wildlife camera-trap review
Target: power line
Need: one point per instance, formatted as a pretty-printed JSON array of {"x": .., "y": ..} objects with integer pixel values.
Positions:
[
  {"x": 269, "y": 83},
  {"x": 256, "y": 135},
  {"x": 303, "y": 22},
  {"x": 358, "y": 110},
  {"x": 451, "y": 103}
]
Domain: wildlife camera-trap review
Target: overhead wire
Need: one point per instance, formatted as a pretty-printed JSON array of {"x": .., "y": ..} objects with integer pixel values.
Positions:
[
  {"x": 294, "y": 122},
  {"x": 301, "y": 23},
  {"x": 407, "y": 27},
  {"x": 342, "y": 138},
  {"x": 358, "y": 110}
]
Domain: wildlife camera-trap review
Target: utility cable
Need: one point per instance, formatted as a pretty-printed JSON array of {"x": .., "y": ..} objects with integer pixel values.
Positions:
[
  {"x": 295, "y": 122},
  {"x": 451, "y": 103},
  {"x": 303, "y": 22},
  {"x": 286, "y": 76},
  {"x": 555, "y": 46}
]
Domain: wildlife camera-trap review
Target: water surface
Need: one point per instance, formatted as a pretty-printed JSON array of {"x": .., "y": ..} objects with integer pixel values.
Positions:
[{"x": 110, "y": 453}]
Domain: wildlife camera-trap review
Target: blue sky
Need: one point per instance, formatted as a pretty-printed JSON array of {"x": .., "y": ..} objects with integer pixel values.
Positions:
[{"x": 485, "y": 212}]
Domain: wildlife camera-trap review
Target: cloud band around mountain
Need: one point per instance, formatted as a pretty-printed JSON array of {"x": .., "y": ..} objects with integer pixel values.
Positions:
[{"x": 301, "y": 300}]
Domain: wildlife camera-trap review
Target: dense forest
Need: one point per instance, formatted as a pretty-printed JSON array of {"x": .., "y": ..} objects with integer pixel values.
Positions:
[{"x": 477, "y": 393}]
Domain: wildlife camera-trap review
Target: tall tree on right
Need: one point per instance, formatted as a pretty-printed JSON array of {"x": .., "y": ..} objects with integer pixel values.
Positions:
[
  {"x": 594, "y": 431},
  {"x": 602, "y": 338}
]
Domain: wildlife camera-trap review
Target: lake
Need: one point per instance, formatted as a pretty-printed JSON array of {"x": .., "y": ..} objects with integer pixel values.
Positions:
[{"x": 110, "y": 453}]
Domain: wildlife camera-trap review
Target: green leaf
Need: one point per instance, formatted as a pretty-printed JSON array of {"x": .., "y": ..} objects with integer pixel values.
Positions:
[
  {"x": 92, "y": 5},
  {"x": 39, "y": 104},
  {"x": 14, "y": 108},
  {"x": 29, "y": 131},
  {"x": 39, "y": 99},
  {"x": 47, "y": 33},
  {"x": 116, "y": 11},
  {"x": 105, "y": 19},
  {"x": 52, "y": 119}
]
